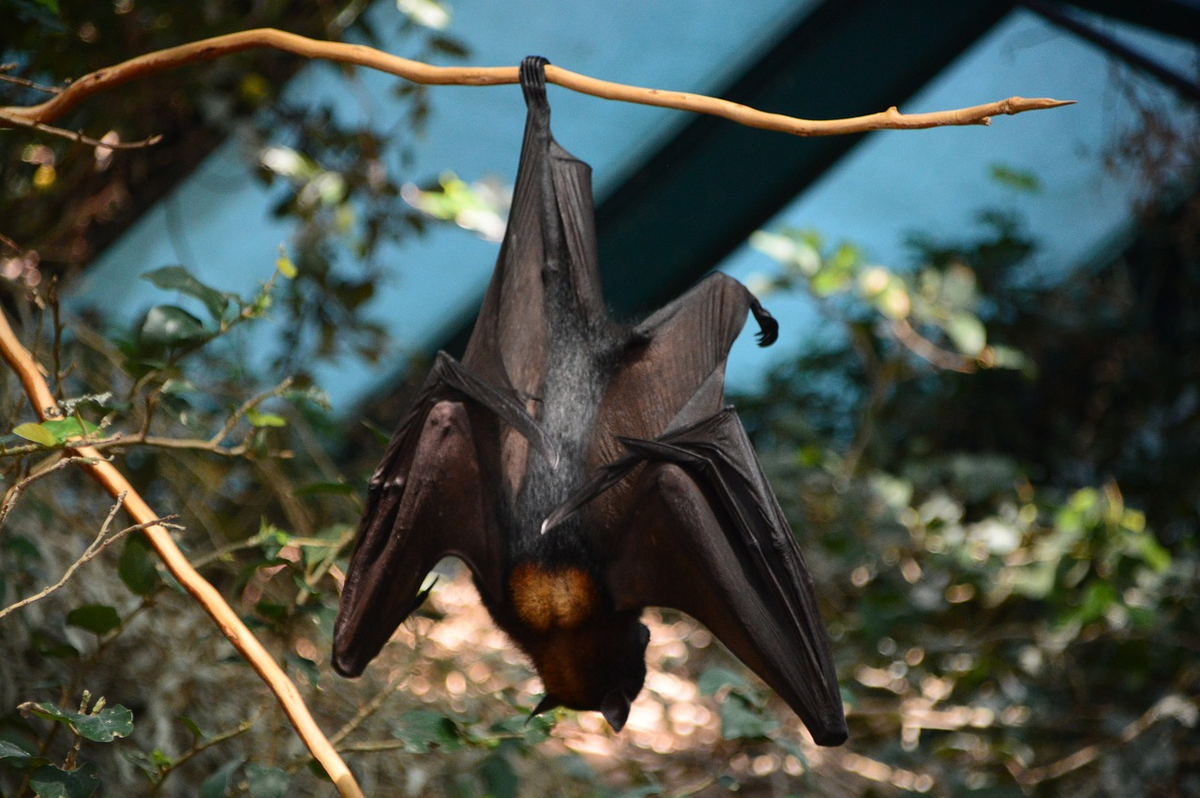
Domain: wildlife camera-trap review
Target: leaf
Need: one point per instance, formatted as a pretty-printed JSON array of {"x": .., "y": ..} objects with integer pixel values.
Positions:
[
  {"x": 1019, "y": 179},
  {"x": 284, "y": 265},
  {"x": 177, "y": 278},
  {"x": 713, "y": 679},
  {"x": 170, "y": 325},
  {"x": 259, "y": 419},
  {"x": 52, "y": 782},
  {"x": 136, "y": 566},
  {"x": 422, "y": 729},
  {"x": 266, "y": 782},
  {"x": 741, "y": 720},
  {"x": 66, "y": 429},
  {"x": 18, "y": 757},
  {"x": 106, "y": 725},
  {"x": 101, "y": 727},
  {"x": 95, "y": 618},
  {"x": 499, "y": 776},
  {"x": 306, "y": 666},
  {"x": 967, "y": 333},
  {"x": 35, "y": 432},
  {"x": 217, "y": 785},
  {"x": 449, "y": 46}
]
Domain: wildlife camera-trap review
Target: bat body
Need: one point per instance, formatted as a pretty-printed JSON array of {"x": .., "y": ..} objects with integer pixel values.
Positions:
[{"x": 585, "y": 470}]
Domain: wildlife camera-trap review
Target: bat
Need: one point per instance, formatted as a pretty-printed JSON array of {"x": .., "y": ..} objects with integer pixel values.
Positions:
[{"x": 584, "y": 470}]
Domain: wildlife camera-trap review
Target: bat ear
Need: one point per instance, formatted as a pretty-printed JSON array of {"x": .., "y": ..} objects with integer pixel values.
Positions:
[
  {"x": 548, "y": 702},
  {"x": 615, "y": 708}
]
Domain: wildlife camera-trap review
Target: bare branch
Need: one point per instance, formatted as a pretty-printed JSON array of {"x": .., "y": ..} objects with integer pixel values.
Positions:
[
  {"x": 922, "y": 346},
  {"x": 7, "y": 119},
  {"x": 93, "y": 550},
  {"x": 418, "y": 72},
  {"x": 29, "y": 84},
  {"x": 14, "y": 493}
]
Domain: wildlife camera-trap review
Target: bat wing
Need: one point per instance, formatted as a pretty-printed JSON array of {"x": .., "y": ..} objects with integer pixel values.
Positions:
[
  {"x": 427, "y": 500},
  {"x": 697, "y": 527},
  {"x": 708, "y": 537}
]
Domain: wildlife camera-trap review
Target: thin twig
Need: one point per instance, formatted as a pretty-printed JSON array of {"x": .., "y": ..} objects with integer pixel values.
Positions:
[
  {"x": 8, "y": 119},
  {"x": 14, "y": 493},
  {"x": 29, "y": 84},
  {"x": 365, "y": 711},
  {"x": 203, "y": 746},
  {"x": 27, "y": 369},
  {"x": 9, "y": 243},
  {"x": 418, "y": 72},
  {"x": 1031, "y": 777},
  {"x": 102, "y": 542},
  {"x": 246, "y": 407},
  {"x": 923, "y": 347}
]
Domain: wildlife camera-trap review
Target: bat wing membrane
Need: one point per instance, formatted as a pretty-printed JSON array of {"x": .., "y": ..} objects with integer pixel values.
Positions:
[
  {"x": 427, "y": 500},
  {"x": 709, "y": 538}
]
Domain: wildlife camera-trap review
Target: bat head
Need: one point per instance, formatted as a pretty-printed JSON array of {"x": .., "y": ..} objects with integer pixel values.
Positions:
[{"x": 599, "y": 667}]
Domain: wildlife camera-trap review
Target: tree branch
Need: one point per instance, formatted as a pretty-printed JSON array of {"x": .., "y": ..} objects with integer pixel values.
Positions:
[
  {"x": 9, "y": 120},
  {"x": 98, "y": 545},
  {"x": 418, "y": 72},
  {"x": 104, "y": 472}
]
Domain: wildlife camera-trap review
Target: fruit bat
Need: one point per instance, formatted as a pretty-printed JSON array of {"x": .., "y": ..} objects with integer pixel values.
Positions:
[{"x": 585, "y": 470}]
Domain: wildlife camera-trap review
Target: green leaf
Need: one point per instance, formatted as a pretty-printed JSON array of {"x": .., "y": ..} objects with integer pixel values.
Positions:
[
  {"x": 37, "y": 433},
  {"x": 95, "y": 618},
  {"x": 1015, "y": 178},
  {"x": 49, "y": 5},
  {"x": 741, "y": 720},
  {"x": 713, "y": 679},
  {"x": 52, "y": 782},
  {"x": 66, "y": 429},
  {"x": 306, "y": 666},
  {"x": 217, "y": 785},
  {"x": 967, "y": 333},
  {"x": 285, "y": 266},
  {"x": 101, "y": 727},
  {"x": 18, "y": 757},
  {"x": 266, "y": 782},
  {"x": 422, "y": 729},
  {"x": 136, "y": 566},
  {"x": 170, "y": 325},
  {"x": 177, "y": 278},
  {"x": 259, "y": 419},
  {"x": 106, "y": 725},
  {"x": 1096, "y": 600},
  {"x": 499, "y": 776}
]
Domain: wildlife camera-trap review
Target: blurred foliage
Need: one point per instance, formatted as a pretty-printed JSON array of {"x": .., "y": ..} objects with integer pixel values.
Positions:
[
  {"x": 1015, "y": 582},
  {"x": 993, "y": 475}
]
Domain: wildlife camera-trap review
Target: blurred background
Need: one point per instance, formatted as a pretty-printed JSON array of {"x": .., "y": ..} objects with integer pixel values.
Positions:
[{"x": 982, "y": 416}]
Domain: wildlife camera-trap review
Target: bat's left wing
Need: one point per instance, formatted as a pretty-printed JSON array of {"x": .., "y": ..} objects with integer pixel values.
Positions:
[
  {"x": 688, "y": 517},
  {"x": 707, "y": 536}
]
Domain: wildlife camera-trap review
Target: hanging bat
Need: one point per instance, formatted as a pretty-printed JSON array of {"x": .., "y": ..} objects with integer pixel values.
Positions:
[{"x": 585, "y": 470}]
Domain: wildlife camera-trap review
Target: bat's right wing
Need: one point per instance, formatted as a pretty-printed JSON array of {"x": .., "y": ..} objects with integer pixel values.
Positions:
[
  {"x": 708, "y": 537},
  {"x": 429, "y": 498}
]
